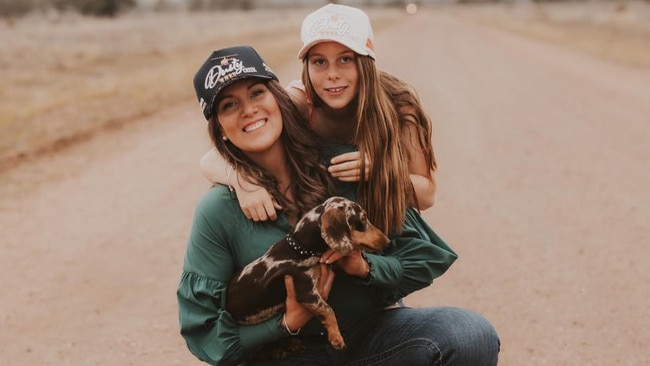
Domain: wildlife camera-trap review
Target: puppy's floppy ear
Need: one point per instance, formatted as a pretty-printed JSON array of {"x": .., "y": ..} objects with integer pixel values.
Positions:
[{"x": 335, "y": 230}]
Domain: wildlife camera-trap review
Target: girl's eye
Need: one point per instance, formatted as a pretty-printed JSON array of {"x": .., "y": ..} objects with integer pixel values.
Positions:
[
  {"x": 318, "y": 61},
  {"x": 346, "y": 59}
]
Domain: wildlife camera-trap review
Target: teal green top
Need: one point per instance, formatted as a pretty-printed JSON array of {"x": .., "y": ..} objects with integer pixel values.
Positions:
[{"x": 222, "y": 240}]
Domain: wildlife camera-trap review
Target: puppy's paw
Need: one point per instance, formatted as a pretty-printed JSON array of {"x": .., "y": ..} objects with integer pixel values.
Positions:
[{"x": 337, "y": 341}]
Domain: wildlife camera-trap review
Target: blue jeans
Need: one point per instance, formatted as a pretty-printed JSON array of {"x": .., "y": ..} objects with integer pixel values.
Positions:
[{"x": 406, "y": 336}]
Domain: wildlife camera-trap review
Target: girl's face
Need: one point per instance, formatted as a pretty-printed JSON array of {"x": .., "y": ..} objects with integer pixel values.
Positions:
[
  {"x": 250, "y": 116},
  {"x": 333, "y": 73}
]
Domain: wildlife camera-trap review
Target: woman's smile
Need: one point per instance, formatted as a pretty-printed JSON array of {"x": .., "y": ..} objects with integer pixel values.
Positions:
[{"x": 255, "y": 125}]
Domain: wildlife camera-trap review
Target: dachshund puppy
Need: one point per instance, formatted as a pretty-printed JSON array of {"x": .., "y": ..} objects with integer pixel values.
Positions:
[{"x": 257, "y": 292}]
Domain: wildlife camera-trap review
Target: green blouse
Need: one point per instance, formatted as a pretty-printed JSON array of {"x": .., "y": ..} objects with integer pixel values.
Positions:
[{"x": 222, "y": 240}]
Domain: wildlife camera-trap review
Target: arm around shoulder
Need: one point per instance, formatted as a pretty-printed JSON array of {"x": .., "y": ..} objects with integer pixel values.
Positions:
[
  {"x": 296, "y": 91},
  {"x": 421, "y": 166},
  {"x": 425, "y": 190},
  {"x": 214, "y": 167}
]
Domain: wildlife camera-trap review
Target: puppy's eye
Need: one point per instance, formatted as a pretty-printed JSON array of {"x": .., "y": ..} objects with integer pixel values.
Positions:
[{"x": 358, "y": 224}]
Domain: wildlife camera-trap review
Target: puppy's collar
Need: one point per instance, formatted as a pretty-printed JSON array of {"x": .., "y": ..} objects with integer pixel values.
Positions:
[{"x": 300, "y": 250}]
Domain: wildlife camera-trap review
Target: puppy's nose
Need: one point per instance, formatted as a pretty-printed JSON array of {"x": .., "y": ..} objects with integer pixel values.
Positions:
[{"x": 381, "y": 241}]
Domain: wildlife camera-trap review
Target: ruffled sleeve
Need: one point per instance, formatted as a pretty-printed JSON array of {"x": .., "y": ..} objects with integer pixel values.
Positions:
[
  {"x": 208, "y": 329},
  {"x": 412, "y": 262}
]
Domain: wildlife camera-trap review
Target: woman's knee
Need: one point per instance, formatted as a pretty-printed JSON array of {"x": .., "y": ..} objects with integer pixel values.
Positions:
[
  {"x": 471, "y": 339},
  {"x": 427, "y": 336}
]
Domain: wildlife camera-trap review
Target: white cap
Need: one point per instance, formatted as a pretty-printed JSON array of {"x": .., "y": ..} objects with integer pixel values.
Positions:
[{"x": 338, "y": 23}]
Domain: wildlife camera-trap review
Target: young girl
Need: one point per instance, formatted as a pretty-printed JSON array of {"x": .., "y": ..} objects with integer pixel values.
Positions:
[
  {"x": 377, "y": 132},
  {"x": 256, "y": 128}
]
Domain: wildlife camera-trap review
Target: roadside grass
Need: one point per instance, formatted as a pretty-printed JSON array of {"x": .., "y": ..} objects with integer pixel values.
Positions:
[
  {"x": 65, "y": 79},
  {"x": 617, "y": 31}
]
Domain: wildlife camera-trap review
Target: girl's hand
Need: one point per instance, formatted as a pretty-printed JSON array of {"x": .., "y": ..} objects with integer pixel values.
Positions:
[
  {"x": 256, "y": 202},
  {"x": 296, "y": 314},
  {"x": 347, "y": 167},
  {"x": 353, "y": 264}
]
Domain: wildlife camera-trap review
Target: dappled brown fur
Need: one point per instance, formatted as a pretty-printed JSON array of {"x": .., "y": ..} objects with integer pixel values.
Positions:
[{"x": 256, "y": 293}]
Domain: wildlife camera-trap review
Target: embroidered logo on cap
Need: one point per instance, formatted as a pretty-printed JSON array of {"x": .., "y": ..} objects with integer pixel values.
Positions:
[
  {"x": 228, "y": 68},
  {"x": 331, "y": 26}
]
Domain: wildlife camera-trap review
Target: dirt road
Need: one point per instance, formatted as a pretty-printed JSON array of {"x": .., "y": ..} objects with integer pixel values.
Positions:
[{"x": 544, "y": 180}]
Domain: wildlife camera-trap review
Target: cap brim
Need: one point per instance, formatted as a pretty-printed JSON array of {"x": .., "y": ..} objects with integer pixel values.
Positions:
[
  {"x": 230, "y": 82},
  {"x": 305, "y": 49}
]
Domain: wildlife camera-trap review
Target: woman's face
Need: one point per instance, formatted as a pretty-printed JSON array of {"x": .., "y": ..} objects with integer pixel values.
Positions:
[
  {"x": 250, "y": 116},
  {"x": 333, "y": 73}
]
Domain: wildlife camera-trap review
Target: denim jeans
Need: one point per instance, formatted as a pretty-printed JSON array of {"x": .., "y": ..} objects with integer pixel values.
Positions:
[{"x": 407, "y": 337}]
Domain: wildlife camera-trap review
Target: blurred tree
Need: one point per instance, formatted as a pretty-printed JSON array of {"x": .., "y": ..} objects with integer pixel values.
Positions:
[
  {"x": 15, "y": 8},
  {"x": 161, "y": 5},
  {"x": 194, "y": 5},
  {"x": 229, "y": 4},
  {"x": 621, "y": 5},
  {"x": 107, "y": 8},
  {"x": 102, "y": 8},
  {"x": 198, "y": 5}
]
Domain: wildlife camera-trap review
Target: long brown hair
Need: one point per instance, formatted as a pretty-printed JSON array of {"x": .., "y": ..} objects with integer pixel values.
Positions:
[
  {"x": 412, "y": 113},
  {"x": 311, "y": 184},
  {"x": 385, "y": 105}
]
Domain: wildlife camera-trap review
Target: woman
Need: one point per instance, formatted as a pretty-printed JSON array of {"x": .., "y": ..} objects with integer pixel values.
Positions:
[
  {"x": 257, "y": 129},
  {"x": 377, "y": 132}
]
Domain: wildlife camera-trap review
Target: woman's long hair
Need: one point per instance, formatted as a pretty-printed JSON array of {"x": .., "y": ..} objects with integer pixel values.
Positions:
[
  {"x": 310, "y": 183},
  {"x": 385, "y": 105}
]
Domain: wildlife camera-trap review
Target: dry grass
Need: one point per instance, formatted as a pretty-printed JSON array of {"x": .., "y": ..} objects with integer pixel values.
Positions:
[
  {"x": 65, "y": 79},
  {"x": 618, "y": 31}
]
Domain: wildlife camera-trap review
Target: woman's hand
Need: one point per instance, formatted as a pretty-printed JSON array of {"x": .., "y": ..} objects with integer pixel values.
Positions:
[
  {"x": 347, "y": 167},
  {"x": 353, "y": 264},
  {"x": 255, "y": 201},
  {"x": 296, "y": 315}
]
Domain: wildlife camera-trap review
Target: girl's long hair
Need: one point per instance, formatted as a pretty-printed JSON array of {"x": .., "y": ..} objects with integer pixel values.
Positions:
[
  {"x": 310, "y": 183},
  {"x": 412, "y": 113},
  {"x": 385, "y": 107}
]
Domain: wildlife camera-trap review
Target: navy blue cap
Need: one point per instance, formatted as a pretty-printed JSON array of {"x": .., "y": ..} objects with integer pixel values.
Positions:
[{"x": 223, "y": 68}]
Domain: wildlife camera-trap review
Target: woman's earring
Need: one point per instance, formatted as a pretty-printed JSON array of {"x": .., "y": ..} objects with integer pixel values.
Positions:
[{"x": 224, "y": 137}]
